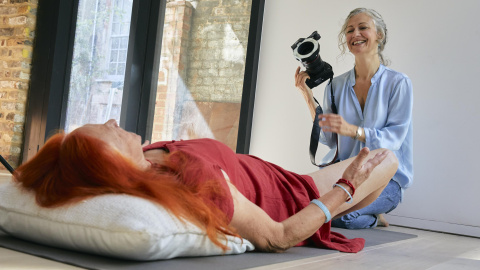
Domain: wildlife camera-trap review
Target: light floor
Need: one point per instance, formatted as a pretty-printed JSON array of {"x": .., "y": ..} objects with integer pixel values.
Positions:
[{"x": 430, "y": 250}]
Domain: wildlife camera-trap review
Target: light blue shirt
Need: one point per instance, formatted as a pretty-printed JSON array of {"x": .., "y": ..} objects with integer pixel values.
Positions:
[{"x": 386, "y": 118}]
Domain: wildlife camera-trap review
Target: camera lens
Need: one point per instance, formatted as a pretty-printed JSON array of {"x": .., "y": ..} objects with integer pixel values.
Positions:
[
  {"x": 305, "y": 48},
  {"x": 315, "y": 66},
  {"x": 307, "y": 51}
]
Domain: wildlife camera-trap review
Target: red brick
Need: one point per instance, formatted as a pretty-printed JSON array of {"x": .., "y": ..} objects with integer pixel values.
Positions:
[{"x": 10, "y": 116}]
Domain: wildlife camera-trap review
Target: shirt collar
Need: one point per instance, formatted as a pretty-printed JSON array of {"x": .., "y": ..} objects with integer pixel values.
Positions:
[
  {"x": 378, "y": 74},
  {"x": 375, "y": 77}
]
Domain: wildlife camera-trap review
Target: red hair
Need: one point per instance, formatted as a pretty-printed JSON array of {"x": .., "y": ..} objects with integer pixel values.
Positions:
[{"x": 70, "y": 168}]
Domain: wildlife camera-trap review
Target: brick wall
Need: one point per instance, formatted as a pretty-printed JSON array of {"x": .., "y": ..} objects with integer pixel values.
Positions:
[
  {"x": 202, "y": 66},
  {"x": 217, "y": 50},
  {"x": 17, "y": 25}
]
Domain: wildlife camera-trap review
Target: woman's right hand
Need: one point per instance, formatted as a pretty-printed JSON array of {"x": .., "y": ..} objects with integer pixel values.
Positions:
[
  {"x": 300, "y": 84},
  {"x": 359, "y": 170}
]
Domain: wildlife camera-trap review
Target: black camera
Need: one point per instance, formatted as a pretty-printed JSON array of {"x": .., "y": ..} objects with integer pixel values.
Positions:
[{"x": 307, "y": 51}]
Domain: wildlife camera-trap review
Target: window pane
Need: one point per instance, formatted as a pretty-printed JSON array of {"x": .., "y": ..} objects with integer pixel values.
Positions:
[
  {"x": 122, "y": 56},
  {"x": 113, "y": 56},
  {"x": 121, "y": 69},
  {"x": 112, "y": 69},
  {"x": 115, "y": 42},
  {"x": 95, "y": 95},
  {"x": 200, "y": 78},
  {"x": 115, "y": 29}
]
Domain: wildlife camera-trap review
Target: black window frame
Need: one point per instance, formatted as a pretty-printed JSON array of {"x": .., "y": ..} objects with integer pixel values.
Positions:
[{"x": 51, "y": 68}]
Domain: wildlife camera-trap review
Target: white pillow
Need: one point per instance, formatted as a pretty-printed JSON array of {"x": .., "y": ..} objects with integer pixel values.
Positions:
[{"x": 121, "y": 226}]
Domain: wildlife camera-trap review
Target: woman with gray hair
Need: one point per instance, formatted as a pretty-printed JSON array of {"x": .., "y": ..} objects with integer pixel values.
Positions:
[{"x": 374, "y": 106}]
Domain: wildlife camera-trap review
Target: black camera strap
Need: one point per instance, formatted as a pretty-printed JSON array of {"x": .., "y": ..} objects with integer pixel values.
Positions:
[
  {"x": 314, "y": 137},
  {"x": 6, "y": 164}
]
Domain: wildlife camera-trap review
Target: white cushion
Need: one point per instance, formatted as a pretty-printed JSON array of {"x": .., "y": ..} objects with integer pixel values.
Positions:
[{"x": 121, "y": 226}]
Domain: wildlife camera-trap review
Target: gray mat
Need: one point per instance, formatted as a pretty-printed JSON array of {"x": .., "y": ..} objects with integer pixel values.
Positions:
[{"x": 231, "y": 262}]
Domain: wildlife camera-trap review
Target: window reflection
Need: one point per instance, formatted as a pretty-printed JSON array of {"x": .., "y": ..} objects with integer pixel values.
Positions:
[
  {"x": 98, "y": 65},
  {"x": 200, "y": 78}
]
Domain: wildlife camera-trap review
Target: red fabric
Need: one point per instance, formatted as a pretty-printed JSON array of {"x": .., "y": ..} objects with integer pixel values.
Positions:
[{"x": 280, "y": 193}]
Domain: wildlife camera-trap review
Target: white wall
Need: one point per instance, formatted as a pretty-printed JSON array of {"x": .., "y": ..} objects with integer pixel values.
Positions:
[{"x": 436, "y": 43}]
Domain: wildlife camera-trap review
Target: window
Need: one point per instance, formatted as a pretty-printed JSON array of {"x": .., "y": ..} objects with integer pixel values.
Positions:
[
  {"x": 118, "y": 55},
  {"x": 120, "y": 31},
  {"x": 96, "y": 83},
  {"x": 201, "y": 71},
  {"x": 61, "y": 100}
]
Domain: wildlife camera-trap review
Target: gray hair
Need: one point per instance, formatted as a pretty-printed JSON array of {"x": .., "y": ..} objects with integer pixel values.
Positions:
[{"x": 379, "y": 25}]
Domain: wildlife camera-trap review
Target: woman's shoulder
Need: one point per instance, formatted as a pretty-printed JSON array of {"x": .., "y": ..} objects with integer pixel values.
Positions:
[
  {"x": 204, "y": 145},
  {"x": 394, "y": 75},
  {"x": 203, "y": 141},
  {"x": 395, "y": 81}
]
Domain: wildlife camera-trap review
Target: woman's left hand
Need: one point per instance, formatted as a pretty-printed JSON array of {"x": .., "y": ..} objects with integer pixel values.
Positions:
[
  {"x": 361, "y": 168},
  {"x": 335, "y": 123}
]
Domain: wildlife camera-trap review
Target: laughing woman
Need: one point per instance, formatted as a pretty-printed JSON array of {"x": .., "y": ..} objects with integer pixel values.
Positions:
[{"x": 374, "y": 106}]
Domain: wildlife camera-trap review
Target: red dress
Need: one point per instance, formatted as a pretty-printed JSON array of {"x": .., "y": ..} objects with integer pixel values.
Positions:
[{"x": 280, "y": 193}]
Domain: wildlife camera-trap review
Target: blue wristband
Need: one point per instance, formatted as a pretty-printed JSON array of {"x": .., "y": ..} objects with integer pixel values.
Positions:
[
  {"x": 348, "y": 193},
  {"x": 322, "y": 206}
]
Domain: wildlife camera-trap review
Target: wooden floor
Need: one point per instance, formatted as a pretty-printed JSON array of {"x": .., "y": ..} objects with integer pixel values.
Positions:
[{"x": 430, "y": 250}]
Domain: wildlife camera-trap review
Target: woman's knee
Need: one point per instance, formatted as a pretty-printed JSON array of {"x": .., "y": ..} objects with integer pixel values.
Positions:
[{"x": 391, "y": 161}]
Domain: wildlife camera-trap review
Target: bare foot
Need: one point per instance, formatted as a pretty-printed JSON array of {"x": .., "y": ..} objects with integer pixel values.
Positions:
[{"x": 381, "y": 221}]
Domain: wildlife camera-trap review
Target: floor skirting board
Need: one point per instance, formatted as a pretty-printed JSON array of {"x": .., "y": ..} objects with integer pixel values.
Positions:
[
  {"x": 5, "y": 177},
  {"x": 434, "y": 225}
]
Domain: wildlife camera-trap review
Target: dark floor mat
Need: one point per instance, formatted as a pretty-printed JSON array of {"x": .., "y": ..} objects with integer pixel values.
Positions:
[{"x": 230, "y": 262}]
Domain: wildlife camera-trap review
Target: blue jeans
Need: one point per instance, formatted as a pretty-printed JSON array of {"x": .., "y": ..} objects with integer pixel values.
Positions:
[{"x": 367, "y": 216}]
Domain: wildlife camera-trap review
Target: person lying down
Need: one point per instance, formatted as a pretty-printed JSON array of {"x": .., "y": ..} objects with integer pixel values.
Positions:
[{"x": 206, "y": 183}]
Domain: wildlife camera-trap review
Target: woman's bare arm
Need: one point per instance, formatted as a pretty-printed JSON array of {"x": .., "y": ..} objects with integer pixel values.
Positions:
[{"x": 253, "y": 224}]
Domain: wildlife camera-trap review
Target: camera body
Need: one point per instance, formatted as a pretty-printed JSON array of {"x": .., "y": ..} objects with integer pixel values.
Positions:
[{"x": 307, "y": 51}]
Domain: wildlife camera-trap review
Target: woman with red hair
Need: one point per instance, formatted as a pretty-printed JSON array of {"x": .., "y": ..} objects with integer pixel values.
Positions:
[{"x": 205, "y": 182}]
